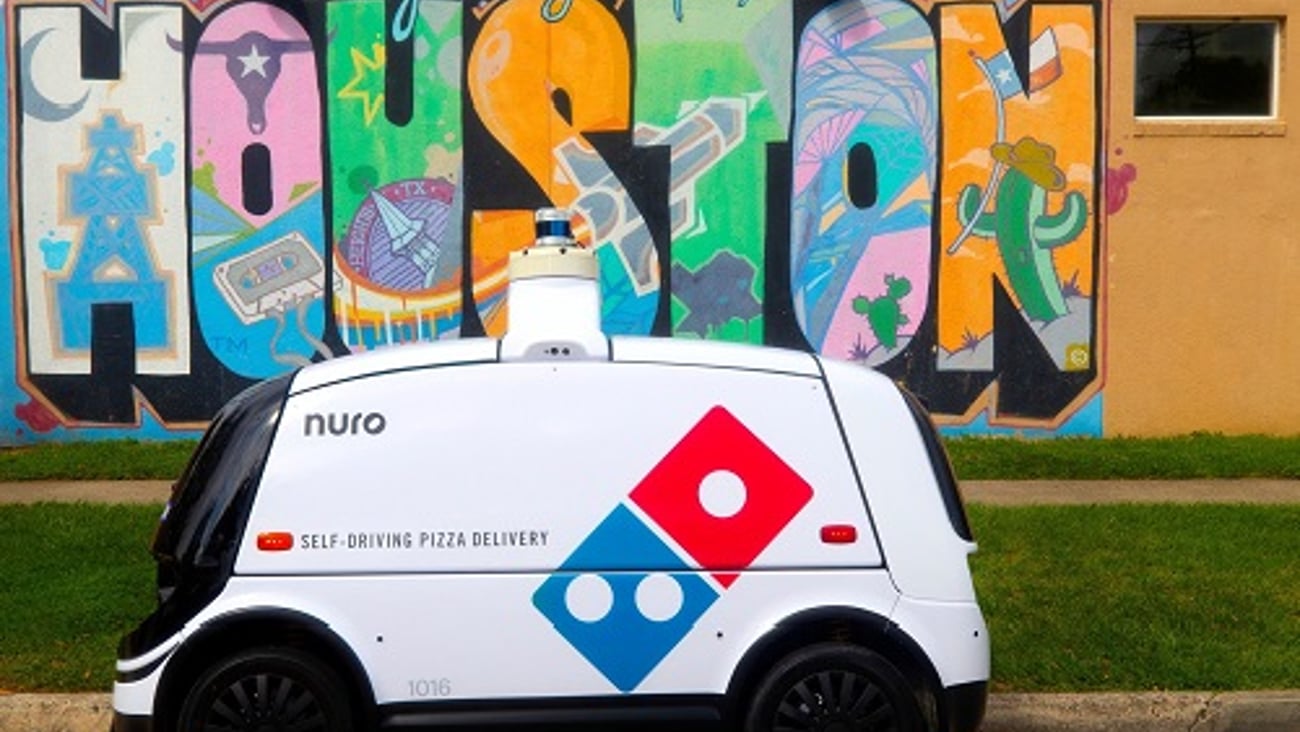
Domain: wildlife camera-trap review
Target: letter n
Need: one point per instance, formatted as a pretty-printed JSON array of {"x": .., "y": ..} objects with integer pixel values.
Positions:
[{"x": 1017, "y": 249}]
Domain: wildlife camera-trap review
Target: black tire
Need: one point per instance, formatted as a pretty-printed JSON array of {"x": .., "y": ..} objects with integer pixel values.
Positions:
[
  {"x": 833, "y": 687},
  {"x": 266, "y": 689}
]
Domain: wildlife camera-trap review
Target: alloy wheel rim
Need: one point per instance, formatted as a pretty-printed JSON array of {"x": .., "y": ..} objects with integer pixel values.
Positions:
[
  {"x": 265, "y": 702},
  {"x": 835, "y": 701}
]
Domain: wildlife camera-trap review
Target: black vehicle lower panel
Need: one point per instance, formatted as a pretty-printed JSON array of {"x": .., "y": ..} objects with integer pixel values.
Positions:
[
  {"x": 131, "y": 723},
  {"x": 680, "y": 712},
  {"x": 965, "y": 705}
]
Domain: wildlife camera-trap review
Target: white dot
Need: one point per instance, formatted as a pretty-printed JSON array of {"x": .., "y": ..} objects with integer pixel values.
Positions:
[
  {"x": 589, "y": 597},
  {"x": 659, "y": 597},
  {"x": 722, "y": 494}
]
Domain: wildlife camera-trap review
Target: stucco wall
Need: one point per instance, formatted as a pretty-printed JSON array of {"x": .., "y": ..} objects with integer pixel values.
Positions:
[
  {"x": 221, "y": 191},
  {"x": 1203, "y": 267}
]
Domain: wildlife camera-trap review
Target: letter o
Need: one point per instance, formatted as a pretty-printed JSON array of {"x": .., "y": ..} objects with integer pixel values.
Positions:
[{"x": 374, "y": 423}]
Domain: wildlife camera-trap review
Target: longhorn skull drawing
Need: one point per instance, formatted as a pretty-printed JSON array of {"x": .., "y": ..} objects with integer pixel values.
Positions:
[{"x": 253, "y": 63}]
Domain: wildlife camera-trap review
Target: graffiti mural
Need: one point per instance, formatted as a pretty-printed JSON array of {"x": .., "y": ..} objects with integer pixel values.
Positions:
[
  {"x": 221, "y": 191},
  {"x": 715, "y": 127},
  {"x": 103, "y": 231},
  {"x": 257, "y": 219},
  {"x": 544, "y": 108},
  {"x": 1017, "y": 242},
  {"x": 865, "y": 147},
  {"x": 397, "y": 184}
]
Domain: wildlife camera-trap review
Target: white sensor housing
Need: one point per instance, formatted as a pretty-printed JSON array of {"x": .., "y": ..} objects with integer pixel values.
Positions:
[{"x": 554, "y": 297}]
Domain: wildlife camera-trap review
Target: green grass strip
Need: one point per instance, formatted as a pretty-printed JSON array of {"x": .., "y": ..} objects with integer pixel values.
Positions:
[
  {"x": 1140, "y": 597},
  {"x": 102, "y": 460},
  {"x": 1166, "y": 458},
  {"x": 1078, "y": 598},
  {"x": 75, "y": 578}
]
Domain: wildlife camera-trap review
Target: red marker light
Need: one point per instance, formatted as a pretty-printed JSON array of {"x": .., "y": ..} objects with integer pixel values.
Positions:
[
  {"x": 275, "y": 541},
  {"x": 839, "y": 534}
]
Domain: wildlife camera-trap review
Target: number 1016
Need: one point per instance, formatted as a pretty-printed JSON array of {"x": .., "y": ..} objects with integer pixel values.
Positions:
[{"x": 424, "y": 688}]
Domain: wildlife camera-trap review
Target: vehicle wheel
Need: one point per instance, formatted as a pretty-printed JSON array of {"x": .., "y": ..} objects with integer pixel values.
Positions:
[
  {"x": 267, "y": 690},
  {"x": 833, "y": 687}
]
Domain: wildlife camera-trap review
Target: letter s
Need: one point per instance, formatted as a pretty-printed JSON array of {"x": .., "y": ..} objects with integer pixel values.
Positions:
[{"x": 539, "y": 86}]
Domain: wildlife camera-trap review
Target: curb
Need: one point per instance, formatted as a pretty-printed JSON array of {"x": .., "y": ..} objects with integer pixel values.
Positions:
[
  {"x": 1246, "y": 711},
  {"x": 1238, "y": 711},
  {"x": 55, "y": 712}
]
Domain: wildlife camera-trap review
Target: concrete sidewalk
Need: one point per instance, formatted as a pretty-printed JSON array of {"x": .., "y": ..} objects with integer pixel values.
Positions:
[
  {"x": 992, "y": 492},
  {"x": 1270, "y": 711},
  {"x": 93, "y": 491},
  {"x": 1078, "y": 492}
]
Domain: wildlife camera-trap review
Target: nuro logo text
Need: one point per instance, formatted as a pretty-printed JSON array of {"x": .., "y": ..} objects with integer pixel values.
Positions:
[{"x": 343, "y": 423}]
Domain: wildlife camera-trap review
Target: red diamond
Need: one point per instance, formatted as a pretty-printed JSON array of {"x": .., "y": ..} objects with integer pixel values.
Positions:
[{"x": 722, "y": 453}]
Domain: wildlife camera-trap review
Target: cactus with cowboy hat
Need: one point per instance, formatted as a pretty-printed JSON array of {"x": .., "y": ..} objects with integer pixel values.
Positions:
[{"x": 1025, "y": 233}]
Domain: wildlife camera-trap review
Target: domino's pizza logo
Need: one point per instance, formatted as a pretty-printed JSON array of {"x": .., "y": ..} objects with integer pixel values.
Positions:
[{"x": 721, "y": 496}]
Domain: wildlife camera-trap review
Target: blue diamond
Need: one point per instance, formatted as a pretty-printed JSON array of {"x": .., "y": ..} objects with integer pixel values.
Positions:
[{"x": 624, "y": 644}]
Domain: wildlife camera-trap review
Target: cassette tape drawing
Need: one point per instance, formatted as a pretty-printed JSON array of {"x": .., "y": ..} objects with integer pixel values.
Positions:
[{"x": 271, "y": 281}]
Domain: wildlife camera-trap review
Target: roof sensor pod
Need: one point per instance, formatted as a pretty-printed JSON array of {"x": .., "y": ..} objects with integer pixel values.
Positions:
[{"x": 554, "y": 296}]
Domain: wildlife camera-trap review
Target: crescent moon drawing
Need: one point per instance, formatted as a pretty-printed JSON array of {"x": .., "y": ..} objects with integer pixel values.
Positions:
[{"x": 34, "y": 102}]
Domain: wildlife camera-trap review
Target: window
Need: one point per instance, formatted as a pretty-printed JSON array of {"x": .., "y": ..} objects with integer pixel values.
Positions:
[{"x": 1213, "y": 68}]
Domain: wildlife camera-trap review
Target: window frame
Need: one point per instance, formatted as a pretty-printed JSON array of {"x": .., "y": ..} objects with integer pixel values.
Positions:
[{"x": 1266, "y": 125}]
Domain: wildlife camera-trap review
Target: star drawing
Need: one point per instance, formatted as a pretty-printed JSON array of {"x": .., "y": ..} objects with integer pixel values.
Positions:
[
  {"x": 367, "y": 82},
  {"x": 254, "y": 63}
]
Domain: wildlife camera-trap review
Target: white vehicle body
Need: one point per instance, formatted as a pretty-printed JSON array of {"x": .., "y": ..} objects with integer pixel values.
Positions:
[{"x": 641, "y": 532}]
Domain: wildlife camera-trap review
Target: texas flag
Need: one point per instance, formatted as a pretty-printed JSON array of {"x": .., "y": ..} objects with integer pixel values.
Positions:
[
  {"x": 1044, "y": 61},
  {"x": 1044, "y": 67},
  {"x": 1002, "y": 72}
]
